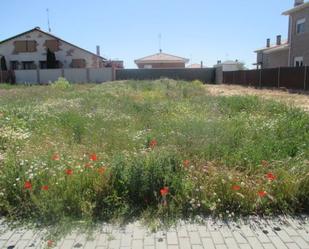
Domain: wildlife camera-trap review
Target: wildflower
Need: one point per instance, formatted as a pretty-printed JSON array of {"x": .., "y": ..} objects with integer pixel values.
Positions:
[
  {"x": 153, "y": 143},
  {"x": 93, "y": 157},
  {"x": 101, "y": 170},
  {"x": 164, "y": 191},
  {"x": 50, "y": 243},
  {"x": 186, "y": 163},
  {"x": 69, "y": 172},
  {"x": 55, "y": 157},
  {"x": 236, "y": 187},
  {"x": 270, "y": 176},
  {"x": 45, "y": 187},
  {"x": 262, "y": 193},
  {"x": 28, "y": 185}
]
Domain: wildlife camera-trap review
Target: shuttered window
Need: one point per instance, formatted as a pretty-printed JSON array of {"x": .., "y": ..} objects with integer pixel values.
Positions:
[
  {"x": 25, "y": 46},
  {"x": 52, "y": 45}
]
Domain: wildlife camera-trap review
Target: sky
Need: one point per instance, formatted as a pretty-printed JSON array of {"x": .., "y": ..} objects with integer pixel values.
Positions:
[{"x": 200, "y": 30}]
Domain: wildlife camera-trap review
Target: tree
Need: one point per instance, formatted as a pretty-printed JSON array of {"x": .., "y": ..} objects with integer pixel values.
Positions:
[
  {"x": 51, "y": 59},
  {"x": 3, "y": 64}
]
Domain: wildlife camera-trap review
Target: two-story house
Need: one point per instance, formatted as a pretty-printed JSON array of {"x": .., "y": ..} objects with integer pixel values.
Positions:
[
  {"x": 295, "y": 51},
  {"x": 29, "y": 51}
]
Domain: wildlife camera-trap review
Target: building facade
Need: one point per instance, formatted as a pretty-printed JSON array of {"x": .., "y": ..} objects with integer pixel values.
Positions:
[
  {"x": 293, "y": 52},
  {"x": 29, "y": 51},
  {"x": 161, "y": 60}
]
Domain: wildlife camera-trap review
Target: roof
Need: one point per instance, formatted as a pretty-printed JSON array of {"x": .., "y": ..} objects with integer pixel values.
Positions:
[
  {"x": 49, "y": 34},
  {"x": 274, "y": 47},
  {"x": 196, "y": 65},
  {"x": 295, "y": 9},
  {"x": 161, "y": 58}
]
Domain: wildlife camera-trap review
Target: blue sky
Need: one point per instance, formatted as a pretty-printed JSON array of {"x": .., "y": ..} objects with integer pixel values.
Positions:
[{"x": 207, "y": 30}]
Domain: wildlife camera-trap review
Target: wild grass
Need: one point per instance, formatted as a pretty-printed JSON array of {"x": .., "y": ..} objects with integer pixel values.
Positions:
[{"x": 160, "y": 148}]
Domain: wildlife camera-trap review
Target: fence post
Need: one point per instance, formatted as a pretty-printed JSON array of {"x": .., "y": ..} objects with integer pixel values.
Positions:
[
  {"x": 88, "y": 75},
  {"x": 1, "y": 77},
  {"x": 305, "y": 78},
  {"x": 233, "y": 78},
  {"x": 279, "y": 72},
  {"x": 260, "y": 80},
  {"x": 38, "y": 78}
]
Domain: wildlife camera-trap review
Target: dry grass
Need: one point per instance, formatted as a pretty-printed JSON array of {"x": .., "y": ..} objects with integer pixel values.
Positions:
[{"x": 295, "y": 99}]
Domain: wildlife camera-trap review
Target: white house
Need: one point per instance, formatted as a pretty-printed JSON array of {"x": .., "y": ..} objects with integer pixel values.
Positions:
[{"x": 29, "y": 51}]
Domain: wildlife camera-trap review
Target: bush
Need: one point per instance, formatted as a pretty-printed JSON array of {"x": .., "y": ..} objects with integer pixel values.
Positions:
[{"x": 61, "y": 84}]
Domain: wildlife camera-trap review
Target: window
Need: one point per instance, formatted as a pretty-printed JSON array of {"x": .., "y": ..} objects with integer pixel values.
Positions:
[
  {"x": 43, "y": 64},
  {"x": 148, "y": 66},
  {"x": 28, "y": 65},
  {"x": 53, "y": 45},
  {"x": 298, "y": 62},
  {"x": 78, "y": 63},
  {"x": 300, "y": 26},
  {"x": 14, "y": 65},
  {"x": 25, "y": 46}
]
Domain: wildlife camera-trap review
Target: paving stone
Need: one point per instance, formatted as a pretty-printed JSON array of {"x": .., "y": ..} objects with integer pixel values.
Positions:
[
  {"x": 208, "y": 243},
  {"x": 197, "y": 247},
  {"x": 195, "y": 238},
  {"x": 221, "y": 247},
  {"x": 254, "y": 243},
  {"x": 149, "y": 240},
  {"x": 149, "y": 247},
  {"x": 172, "y": 238},
  {"x": 138, "y": 244},
  {"x": 231, "y": 243},
  {"x": 217, "y": 237},
  {"x": 68, "y": 244},
  {"x": 126, "y": 240},
  {"x": 182, "y": 232},
  {"x": 301, "y": 242},
  {"x": 269, "y": 246},
  {"x": 239, "y": 237},
  {"x": 277, "y": 242},
  {"x": 292, "y": 246},
  {"x": 184, "y": 243},
  {"x": 244, "y": 246},
  {"x": 173, "y": 247}
]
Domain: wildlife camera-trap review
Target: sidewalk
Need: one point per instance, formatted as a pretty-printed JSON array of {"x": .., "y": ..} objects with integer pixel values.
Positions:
[{"x": 281, "y": 233}]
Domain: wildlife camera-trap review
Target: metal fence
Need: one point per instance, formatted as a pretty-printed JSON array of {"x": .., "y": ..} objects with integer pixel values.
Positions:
[
  {"x": 296, "y": 78},
  {"x": 206, "y": 75}
]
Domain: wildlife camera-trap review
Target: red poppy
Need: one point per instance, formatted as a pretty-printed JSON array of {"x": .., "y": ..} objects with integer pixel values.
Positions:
[
  {"x": 45, "y": 187},
  {"x": 93, "y": 157},
  {"x": 27, "y": 185},
  {"x": 50, "y": 243},
  {"x": 186, "y": 163},
  {"x": 262, "y": 193},
  {"x": 101, "y": 170},
  {"x": 55, "y": 157},
  {"x": 270, "y": 176},
  {"x": 69, "y": 172},
  {"x": 164, "y": 191},
  {"x": 153, "y": 143},
  {"x": 236, "y": 187}
]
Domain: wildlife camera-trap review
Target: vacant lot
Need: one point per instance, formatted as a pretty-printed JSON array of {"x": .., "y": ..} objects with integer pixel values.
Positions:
[
  {"x": 298, "y": 100},
  {"x": 158, "y": 149}
]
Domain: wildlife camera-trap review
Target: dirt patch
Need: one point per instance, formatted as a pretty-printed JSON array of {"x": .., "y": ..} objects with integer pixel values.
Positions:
[{"x": 295, "y": 99}]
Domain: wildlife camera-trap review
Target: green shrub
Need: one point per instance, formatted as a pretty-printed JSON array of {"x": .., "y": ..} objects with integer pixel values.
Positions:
[{"x": 61, "y": 84}]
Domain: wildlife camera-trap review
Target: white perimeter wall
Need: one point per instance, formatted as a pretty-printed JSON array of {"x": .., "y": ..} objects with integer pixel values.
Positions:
[{"x": 81, "y": 75}]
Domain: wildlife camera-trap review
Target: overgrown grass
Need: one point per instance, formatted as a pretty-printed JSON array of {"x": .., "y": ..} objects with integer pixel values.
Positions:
[{"x": 148, "y": 148}]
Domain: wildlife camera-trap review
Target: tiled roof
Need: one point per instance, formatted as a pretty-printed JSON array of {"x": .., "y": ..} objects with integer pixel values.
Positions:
[
  {"x": 274, "y": 46},
  {"x": 295, "y": 9},
  {"x": 161, "y": 58}
]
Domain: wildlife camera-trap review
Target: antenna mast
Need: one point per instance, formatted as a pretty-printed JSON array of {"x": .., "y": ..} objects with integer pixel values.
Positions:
[
  {"x": 160, "y": 45},
  {"x": 48, "y": 23}
]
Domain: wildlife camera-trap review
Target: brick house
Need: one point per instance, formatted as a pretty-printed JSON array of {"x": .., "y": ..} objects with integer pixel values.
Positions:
[
  {"x": 293, "y": 52},
  {"x": 161, "y": 60},
  {"x": 28, "y": 51}
]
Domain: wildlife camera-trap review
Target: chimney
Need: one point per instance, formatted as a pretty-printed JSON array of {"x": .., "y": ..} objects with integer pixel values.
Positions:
[
  {"x": 298, "y": 2},
  {"x": 268, "y": 43},
  {"x": 278, "y": 40},
  {"x": 98, "y": 51}
]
